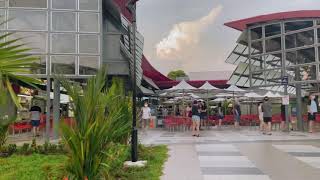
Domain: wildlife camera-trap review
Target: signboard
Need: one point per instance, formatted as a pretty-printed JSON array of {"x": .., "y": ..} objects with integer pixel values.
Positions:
[
  {"x": 285, "y": 80},
  {"x": 286, "y": 100}
]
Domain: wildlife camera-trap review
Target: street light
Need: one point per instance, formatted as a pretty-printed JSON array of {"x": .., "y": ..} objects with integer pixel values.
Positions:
[{"x": 131, "y": 6}]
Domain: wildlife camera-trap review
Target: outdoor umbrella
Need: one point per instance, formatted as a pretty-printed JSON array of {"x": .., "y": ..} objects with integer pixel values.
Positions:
[
  {"x": 207, "y": 87},
  {"x": 271, "y": 95},
  {"x": 252, "y": 96},
  {"x": 218, "y": 100},
  {"x": 225, "y": 95},
  {"x": 183, "y": 87},
  {"x": 234, "y": 89}
]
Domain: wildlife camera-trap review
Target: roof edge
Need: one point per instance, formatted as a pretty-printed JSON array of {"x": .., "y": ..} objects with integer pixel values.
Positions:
[{"x": 243, "y": 23}]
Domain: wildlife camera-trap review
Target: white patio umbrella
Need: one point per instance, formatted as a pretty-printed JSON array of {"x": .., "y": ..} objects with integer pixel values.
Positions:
[
  {"x": 278, "y": 95},
  {"x": 253, "y": 98},
  {"x": 183, "y": 87},
  {"x": 207, "y": 87},
  {"x": 253, "y": 95},
  {"x": 226, "y": 95},
  {"x": 233, "y": 88},
  {"x": 219, "y": 100},
  {"x": 271, "y": 95},
  {"x": 194, "y": 96}
]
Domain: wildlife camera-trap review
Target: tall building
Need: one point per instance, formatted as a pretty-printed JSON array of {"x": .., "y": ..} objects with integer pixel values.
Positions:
[
  {"x": 276, "y": 47},
  {"x": 66, "y": 34}
]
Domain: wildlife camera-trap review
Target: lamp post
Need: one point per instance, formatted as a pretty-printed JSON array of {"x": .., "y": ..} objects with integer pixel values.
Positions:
[{"x": 131, "y": 6}]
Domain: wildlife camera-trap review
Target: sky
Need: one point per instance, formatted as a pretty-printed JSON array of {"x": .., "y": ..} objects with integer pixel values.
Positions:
[{"x": 190, "y": 35}]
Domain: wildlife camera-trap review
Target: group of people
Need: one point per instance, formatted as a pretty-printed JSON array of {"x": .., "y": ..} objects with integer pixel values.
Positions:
[
  {"x": 265, "y": 115},
  {"x": 199, "y": 114}
]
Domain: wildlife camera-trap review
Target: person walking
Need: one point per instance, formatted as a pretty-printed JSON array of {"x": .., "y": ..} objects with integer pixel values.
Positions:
[
  {"x": 283, "y": 117},
  {"x": 188, "y": 111},
  {"x": 35, "y": 115},
  {"x": 237, "y": 114},
  {"x": 267, "y": 115},
  {"x": 146, "y": 115},
  {"x": 220, "y": 116},
  {"x": 203, "y": 115},
  {"x": 195, "y": 119},
  {"x": 312, "y": 110},
  {"x": 260, "y": 114}
]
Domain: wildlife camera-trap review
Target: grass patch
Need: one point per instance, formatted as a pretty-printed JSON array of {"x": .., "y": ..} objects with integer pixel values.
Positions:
[
  {"x": 156, "y": 157},
  {"x": 32, "y": 167},
  {"x": 42, "y": 167}
]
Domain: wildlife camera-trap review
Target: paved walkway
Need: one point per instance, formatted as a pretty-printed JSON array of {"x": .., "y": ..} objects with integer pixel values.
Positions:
[{"x": 238, "y": 155}]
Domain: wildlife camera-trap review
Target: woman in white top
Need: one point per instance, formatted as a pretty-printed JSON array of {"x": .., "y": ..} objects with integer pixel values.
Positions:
[
  {"x": 260, "y": 113},
  {"x": 146, "y": 115}
]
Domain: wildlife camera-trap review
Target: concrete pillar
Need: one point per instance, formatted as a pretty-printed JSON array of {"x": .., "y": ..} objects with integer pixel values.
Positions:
[
  {"x": 299, "y": 108},
  {"x": 48, "y": 109},
  {"x": 286, "y": 108},
  {"x": 56, "y": 108}
]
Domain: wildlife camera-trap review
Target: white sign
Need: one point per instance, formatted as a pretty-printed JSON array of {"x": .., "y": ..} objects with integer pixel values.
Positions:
[{"x": 285, "y": 100}]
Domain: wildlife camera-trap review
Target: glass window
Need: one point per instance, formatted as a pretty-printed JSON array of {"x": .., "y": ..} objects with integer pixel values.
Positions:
[
  {"x": 89, "y": 44},
  {"x": 300, "y": 39},
  {"x": 41, "y": 69},
  {"x": 89, "y": 22},
  {"x": 2, "y": 3},
  {"x": 303, "y": 73},
  {"x": 63, "y": 43},
  {"x": 28, "y": 3},
  {"x": 273, "y": 61},
  {"x": 273, "y": 29},
  {"x": 258, "y": 76},
  {"x": 232, "y": 59},
  {"x": 301, "y": 56},
  {"x": 234, "y": 79},
  {"x": 2, "y": 18},
  {"x": 37, "y": 41},
  {"x": 63, "y": 64},
  {"x": 64, "y": 4},
  {"x": 256, "y": 33},
  {"x": 89, "y": 4},
  {"x": 242, "y": 81},
  {"x": 63, "y": 21},
  {"x": 296, "y": 25},
  {"x": 318, "y": 32},
  {"x": 273, "y": 76},
  {"x": 257, "y": 63},
  {"x": 273, "y": 44},
  {"x": 257, "y": 47},
  {"x": 88, "y": 65},
  {"x": 27, "y": 20}
]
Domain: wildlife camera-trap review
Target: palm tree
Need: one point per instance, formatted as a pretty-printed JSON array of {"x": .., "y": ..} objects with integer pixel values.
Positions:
[{"x": 14, "y": 61}]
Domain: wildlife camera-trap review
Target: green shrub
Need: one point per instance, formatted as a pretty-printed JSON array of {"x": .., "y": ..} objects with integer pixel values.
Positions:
[{"x": 102, "y": 117}]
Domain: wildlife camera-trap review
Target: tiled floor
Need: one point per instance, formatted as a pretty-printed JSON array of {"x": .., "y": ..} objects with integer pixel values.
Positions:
[
  {"x": 225, "y": 161},
  {"x": 230, "y": 154},
  {"x": 305, "y": 153},
  {"x": 239, "y": 155}
]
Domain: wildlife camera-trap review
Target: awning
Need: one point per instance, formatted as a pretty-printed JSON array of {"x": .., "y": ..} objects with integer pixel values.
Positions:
[
  {"x": 150, "y": 82},
  {"x": 146, "y": 91}
]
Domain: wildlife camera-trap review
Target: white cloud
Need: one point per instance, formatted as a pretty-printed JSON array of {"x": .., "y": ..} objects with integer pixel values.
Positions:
[{"x": 184, "y": 36}]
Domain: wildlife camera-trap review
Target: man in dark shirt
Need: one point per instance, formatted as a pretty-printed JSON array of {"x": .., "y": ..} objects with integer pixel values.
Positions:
[
  {"x": 267, "y": 115},
  {"x": 195, "y": 119}
]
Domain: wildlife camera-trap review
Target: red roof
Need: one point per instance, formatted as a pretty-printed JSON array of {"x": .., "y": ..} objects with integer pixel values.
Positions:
[
  {"x": 149, "y": 71},
  {"x": 123, "y": 8},
  {"x": 243, "y": 23}
]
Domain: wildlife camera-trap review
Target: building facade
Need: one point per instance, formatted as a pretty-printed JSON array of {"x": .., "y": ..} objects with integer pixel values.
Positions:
[
  {"x": 65, "y": 34},
  {"x": 275, "y": 46}
]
